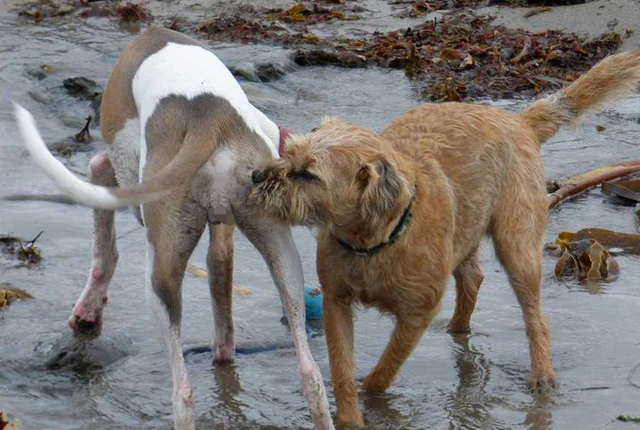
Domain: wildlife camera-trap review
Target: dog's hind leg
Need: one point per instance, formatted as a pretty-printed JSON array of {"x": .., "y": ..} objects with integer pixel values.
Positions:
[
  {"x": 469, "y": 278},
  {"x": 518, "y": 230},
  {"x": 86, "y": 317},
  {"x": 172, "y": 234},
  {"x": 406, "y": 335},
  {"x": 277, "y": 248},
  {"x": 220, "y": 265}
]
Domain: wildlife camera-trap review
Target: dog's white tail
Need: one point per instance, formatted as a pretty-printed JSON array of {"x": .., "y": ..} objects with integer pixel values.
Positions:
[
  {"x": 191, "y": 157},
  {"x": 81, "y": 191}
]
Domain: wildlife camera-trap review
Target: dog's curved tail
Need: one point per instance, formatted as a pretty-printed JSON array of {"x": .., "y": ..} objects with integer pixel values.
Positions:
[
  {"x": 612, "y": 78},
  {"x": 189, "y": 159}
]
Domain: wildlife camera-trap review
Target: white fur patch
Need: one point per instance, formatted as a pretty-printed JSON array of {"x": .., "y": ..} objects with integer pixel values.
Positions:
[{"x": 189, "y": 71}]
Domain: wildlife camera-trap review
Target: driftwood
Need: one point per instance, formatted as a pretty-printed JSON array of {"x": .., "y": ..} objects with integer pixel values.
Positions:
[
  {"x": 577, "y": 184},
  {"x": 626, "y": 190}
]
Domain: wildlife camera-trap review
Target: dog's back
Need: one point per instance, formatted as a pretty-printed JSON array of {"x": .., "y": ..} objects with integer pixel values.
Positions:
[
  {"x": 491, "y": 156},
  {"x": 474, "y": 145}
]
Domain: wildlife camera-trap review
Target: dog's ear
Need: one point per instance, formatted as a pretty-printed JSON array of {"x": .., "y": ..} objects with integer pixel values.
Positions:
[{"x": 381, "y": 186}]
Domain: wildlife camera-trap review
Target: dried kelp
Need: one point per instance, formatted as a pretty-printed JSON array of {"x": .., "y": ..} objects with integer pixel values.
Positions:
[
  {"x": 560, "y": 190},
  {"x": 9, "y": 295},
  {"x": 586, "y": 260},
  {"x": 459, "y": 56},
  {"x": 628, "y": 243}
]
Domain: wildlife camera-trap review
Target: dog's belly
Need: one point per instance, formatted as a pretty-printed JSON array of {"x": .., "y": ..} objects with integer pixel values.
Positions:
[{"x": 215, "y": 185}]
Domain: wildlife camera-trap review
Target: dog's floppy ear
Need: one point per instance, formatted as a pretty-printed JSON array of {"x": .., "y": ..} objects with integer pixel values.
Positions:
[{"x": 381, "y": 187}]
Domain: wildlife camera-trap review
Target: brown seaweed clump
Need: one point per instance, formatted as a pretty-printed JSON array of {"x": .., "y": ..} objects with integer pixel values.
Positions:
[
  {"x": 460, "y": 56},
  {"x": 132, "y": 12},
  {"x": 9, "y": 295},
  {"x": 464, "y": 55},
  {"x": 586, "y": 254},
  {"x": 5, "y": 424},
  {"x": 26, "y": 252}
]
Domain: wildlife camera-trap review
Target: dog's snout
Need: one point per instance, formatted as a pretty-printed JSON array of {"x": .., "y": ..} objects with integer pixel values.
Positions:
[{"x": 258, "y": 176}]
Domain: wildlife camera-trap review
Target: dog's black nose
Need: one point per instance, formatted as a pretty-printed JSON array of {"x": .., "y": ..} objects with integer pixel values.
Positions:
[{"x": 258, "y": 176}]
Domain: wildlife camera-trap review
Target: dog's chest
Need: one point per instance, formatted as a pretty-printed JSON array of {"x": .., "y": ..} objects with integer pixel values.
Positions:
[{"x": 371, "y": 287}]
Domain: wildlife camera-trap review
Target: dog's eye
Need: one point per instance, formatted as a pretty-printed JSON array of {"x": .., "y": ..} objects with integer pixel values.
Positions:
[
  {"x": 302, "y": 174},
  {"x": 314, "y": 129}
]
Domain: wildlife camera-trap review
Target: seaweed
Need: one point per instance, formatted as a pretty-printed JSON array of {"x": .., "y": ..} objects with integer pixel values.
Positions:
[
  {"x": 76, "y": 143},
  {"x": 628, "y": 419},
  {"x": 9, "y": 295},
  {"x": 26, "y": 252},
  {"x": 585, "y": 259},
  {"x": 460, "y": 56},
  {"x": 5, "y": 424},
  {"x": 132, "y": 12}
]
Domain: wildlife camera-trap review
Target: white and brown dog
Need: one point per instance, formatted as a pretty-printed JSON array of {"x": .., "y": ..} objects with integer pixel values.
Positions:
[{"x": 173, "y": 114}]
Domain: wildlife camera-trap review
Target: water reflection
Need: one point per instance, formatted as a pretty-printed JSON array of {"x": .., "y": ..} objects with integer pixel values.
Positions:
[
  {"x": 379, "y": 410},
  {"x": 539, "y": 414},
  {"x": 470, "y": 405},
  {"x": 227, "y": 391}
]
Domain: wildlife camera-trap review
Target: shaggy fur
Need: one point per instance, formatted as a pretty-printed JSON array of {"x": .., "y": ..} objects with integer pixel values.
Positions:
[{"x": 475, "y": 171}]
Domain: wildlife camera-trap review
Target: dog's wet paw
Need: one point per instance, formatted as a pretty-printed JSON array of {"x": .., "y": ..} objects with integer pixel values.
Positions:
[
  {"x": 542, "y": 384},
  {"x": 458, "y": 328},
  {"x": 375, "y": 384},
  {"x": 350, "y": 420}
]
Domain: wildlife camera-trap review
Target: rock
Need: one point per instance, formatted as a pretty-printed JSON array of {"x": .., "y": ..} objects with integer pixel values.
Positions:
[
  {"x": 264, "y": 72},
  {"x": 38, "y": 72},
  {"x": 41, "y": 96},
  {"x": 324, "y": 57},
  {"x": 82, "y": 88},
  {"x": 80, "y": 353}
]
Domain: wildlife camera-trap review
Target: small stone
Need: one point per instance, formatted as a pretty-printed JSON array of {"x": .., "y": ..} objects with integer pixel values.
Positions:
[{"x": 82, "y": 88}]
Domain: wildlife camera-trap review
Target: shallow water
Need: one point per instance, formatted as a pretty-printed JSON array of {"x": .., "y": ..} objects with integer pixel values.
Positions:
[{"x": 475, "y": 382}]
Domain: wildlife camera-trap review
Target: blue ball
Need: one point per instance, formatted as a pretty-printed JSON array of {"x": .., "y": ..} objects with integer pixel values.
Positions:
[{"x": 312, "y": 303}]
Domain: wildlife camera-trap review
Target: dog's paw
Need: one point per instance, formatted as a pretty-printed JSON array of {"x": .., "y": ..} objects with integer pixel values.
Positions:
[
  {"x": 542, "y": 384},
  {"x": 349, "y": 420},
  {"x": 456, "y": 327},
  {"x": 375, "y": 383}
]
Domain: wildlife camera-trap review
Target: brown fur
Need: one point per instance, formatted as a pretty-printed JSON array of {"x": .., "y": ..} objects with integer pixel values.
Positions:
[{"x": 476, "y": 170}]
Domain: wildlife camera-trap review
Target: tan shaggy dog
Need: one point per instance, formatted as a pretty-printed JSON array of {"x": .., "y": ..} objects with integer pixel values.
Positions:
[{"x": 399, "y": 212}]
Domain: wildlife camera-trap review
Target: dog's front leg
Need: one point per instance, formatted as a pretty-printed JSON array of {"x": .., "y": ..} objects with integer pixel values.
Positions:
[
  {"x": 406, "y": 335},
  {"x": 338, "y": 324},
  {"x": 276, "y": 246}
]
